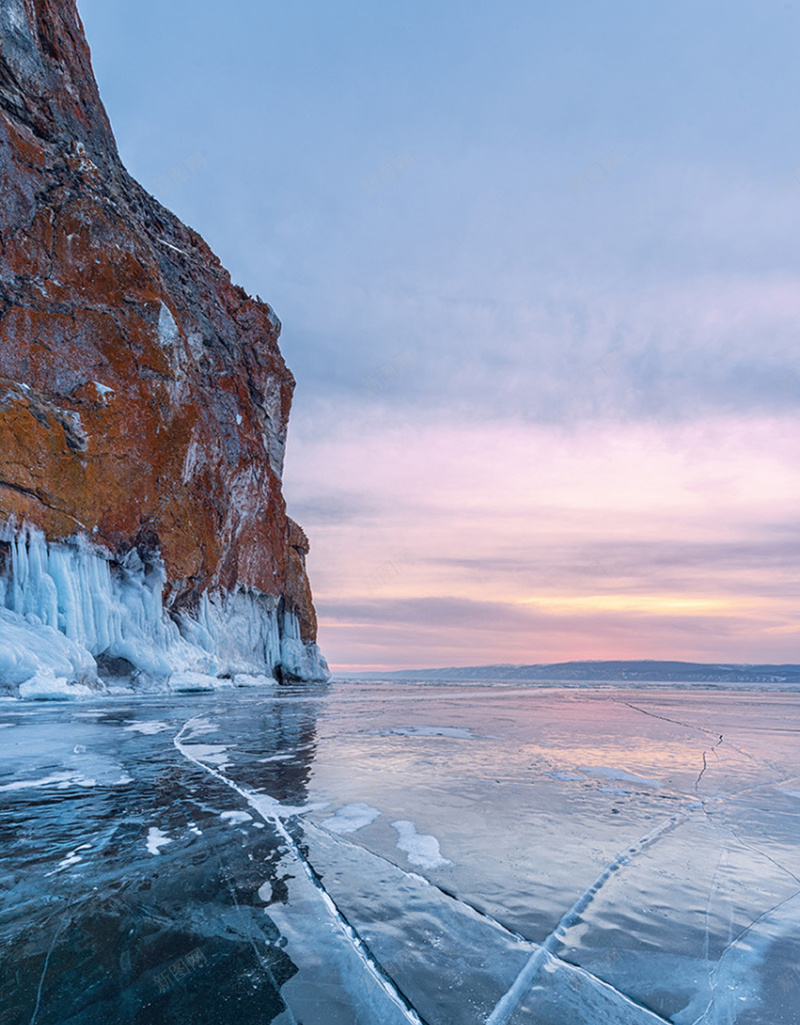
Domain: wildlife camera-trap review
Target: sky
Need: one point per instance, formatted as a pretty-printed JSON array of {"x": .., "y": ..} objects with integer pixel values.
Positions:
[{"x": 537, "y": 269}]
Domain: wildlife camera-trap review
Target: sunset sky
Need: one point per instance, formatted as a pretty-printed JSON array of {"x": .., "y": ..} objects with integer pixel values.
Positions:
[{"x": 537, "y": 267}]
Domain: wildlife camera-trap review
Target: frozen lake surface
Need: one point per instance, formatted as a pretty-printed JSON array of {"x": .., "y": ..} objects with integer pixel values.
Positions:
[{"x": 395, "y": 853}]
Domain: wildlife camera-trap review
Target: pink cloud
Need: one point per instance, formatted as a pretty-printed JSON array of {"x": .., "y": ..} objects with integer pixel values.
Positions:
[{"x": 614, "y": 540}]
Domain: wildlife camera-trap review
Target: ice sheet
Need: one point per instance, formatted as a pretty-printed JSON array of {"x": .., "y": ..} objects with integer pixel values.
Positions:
[{"x": 552, "y": 895}]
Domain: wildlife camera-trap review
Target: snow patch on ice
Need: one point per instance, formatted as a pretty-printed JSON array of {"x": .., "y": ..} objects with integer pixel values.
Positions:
[
  {"x": 60, "y": 780},
  {"x": 236, "y": 818},
  {"x": 155, "y": 839},
  {"x": 607, "y": 772},
  {"x": 351, "y": 817},
  {"x": 146, "y": 727},
  {"x": 421, "y": 848},
  {"x": 566, "y": 776}
]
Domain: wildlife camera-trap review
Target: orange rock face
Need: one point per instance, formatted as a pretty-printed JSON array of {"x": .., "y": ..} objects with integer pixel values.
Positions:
[{"x": 143, "y": 397}]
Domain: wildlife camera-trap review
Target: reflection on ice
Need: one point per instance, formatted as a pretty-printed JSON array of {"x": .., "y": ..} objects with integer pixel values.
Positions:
[{"x": 327, "y": 856}]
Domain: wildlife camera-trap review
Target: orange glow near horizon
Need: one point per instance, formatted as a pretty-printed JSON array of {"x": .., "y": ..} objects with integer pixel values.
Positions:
[{"x": 468, "y": 545}]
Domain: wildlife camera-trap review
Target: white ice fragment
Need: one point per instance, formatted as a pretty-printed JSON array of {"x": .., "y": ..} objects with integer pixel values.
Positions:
[
  {"x": 236, "y": 818},
  {"x": 251, "y": 680},
  {"x": 421, "y": 848},
  {"x": 265, "y": 891},
  {"x": 351, "y": 818},
  {"x": 102, "y": 389},
  {"x": 46, "y": 686},
  {"x": 156, "y": 839},
  {"x": 188, "y": 681},
  {"x": 146, "y": 727}
]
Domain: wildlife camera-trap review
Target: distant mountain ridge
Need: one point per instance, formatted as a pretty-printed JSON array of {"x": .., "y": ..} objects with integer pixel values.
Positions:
[{"x": 646, "y": 670}]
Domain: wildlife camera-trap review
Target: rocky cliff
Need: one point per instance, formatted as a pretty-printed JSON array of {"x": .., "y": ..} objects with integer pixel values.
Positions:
[{"x": 143, "y": 397}]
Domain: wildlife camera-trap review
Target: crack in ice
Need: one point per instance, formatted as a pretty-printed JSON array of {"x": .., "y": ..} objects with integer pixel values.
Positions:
[
  {"x": 248, "y": 933},
  {"x": 512, "y": 999},
  {"x": 256, "y": 801},
  {"x": 494, "y": 922}
]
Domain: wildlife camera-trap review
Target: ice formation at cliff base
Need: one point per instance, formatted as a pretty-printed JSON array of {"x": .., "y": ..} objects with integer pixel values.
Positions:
[{"x": 75, "y": 621}]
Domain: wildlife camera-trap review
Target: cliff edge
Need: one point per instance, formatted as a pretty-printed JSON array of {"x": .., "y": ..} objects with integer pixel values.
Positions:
[{"x": 143, "y": 413}]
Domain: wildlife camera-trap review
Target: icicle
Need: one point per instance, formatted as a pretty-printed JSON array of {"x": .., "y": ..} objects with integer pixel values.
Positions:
[{"x": 71, "y": 603}]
